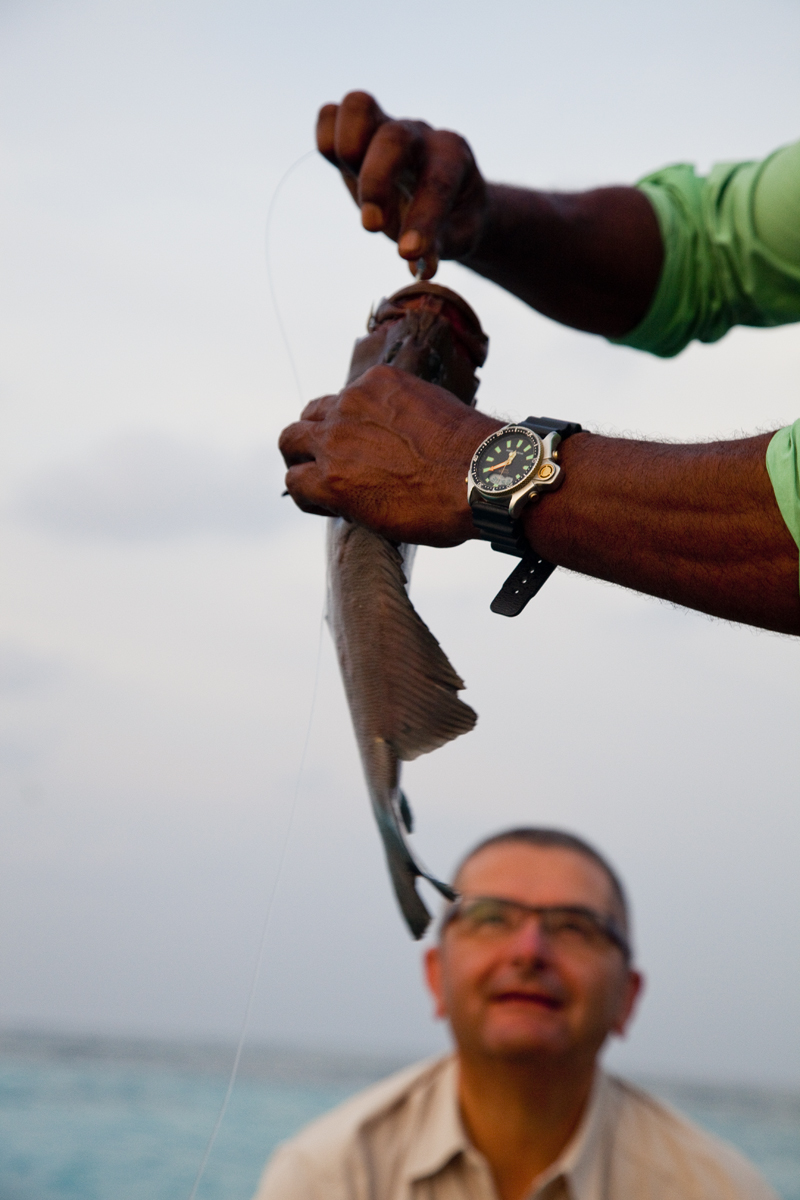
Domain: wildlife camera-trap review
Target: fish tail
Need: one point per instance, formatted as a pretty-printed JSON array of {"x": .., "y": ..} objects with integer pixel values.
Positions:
[
  {"x": 411, "y": 904},
  {"x": 394, "y": 818},
  {"x": 443, "y": 888}
]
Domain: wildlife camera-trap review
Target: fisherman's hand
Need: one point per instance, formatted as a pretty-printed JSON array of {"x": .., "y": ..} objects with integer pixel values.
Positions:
[
  {"x": 420, "y": 186},
  {"x": 391, "y": 452}
]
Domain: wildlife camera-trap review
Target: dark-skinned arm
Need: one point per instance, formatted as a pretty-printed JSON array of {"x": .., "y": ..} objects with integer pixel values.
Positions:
[
  {"x": 588, "y": 259},
  {"x": 696, "y": 524}
]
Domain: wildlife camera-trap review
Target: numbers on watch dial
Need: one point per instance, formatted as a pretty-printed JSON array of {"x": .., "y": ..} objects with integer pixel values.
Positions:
[{"x": 506, "y": 462}]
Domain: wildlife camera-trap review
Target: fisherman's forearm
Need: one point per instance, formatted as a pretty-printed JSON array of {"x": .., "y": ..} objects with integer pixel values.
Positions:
[
  {"x": 587, "y": 259},
  {"x": 697, "y": 525}
]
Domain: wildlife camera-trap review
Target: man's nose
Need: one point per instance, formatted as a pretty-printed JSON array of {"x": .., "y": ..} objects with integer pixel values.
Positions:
[{"x": 530, "y": 942}]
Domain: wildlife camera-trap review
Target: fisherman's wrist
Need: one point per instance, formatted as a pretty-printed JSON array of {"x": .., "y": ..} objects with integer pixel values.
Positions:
[{"x": 482, "y": 250}]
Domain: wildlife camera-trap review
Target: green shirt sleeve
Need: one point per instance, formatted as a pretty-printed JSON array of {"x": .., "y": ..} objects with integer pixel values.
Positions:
[
  {"x": 731, "y": 251},
  {"x": 783, "y": 467}
]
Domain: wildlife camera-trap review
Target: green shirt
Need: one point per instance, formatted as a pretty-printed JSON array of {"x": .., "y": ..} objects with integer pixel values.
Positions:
[{"x": 731, "y": 257}]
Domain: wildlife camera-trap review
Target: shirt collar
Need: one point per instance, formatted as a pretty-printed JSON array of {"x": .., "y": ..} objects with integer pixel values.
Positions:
[
  {"x": 582, "y": 1161},
  {"x": 442, "y": 1137}
]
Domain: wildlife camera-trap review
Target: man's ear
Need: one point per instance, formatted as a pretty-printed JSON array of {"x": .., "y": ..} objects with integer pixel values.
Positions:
[
  {"x": 433, "y": 978},
  {"x": 630, "y": 995}
]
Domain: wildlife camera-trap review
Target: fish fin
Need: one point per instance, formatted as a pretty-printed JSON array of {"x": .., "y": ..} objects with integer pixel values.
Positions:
[
  {"x": 444, "y": 889},
  {"x": 400, "y": 684},
  {"x": 422, "y": 686},
  {"x": 406, "y": 813}
]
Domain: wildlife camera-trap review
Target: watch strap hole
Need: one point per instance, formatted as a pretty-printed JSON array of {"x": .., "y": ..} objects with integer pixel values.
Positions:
[{"x": 522, "y": 585}]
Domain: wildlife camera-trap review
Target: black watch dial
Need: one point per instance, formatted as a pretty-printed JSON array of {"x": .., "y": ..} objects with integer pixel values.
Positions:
[{"x": 506, "y": 460}]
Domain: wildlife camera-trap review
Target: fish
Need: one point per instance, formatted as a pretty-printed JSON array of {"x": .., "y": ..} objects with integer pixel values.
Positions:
[{"x": 401, "y": 688}]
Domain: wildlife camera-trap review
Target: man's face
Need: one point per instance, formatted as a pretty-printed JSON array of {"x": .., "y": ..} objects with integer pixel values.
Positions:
[{"x": 525, "y": 994}]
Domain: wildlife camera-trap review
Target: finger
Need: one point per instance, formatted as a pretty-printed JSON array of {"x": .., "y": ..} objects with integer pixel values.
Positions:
[
  {"x": 326, "y": 131},
  {"x": 357, "y": 119},
  {"x": 317, "y": 410},
  {"x": 303, "y": 483},
  {"x": 424, "y": 267},
  {"x": 298, "y": 442},
  {"x": 326, "y": 143},
  {"x": 446, "y": 165},
  {"x": 387, "y": 164}
]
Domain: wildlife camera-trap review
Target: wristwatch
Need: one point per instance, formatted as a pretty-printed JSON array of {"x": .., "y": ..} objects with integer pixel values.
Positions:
[{"x": 511, "y": 468}]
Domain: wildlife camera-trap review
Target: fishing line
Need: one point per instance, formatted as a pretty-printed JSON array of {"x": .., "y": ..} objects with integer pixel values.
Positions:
[
  {"x": 264, "y": 930},
  {"x": 251, "y": 995},
  {"x": 267, "y": 228}
]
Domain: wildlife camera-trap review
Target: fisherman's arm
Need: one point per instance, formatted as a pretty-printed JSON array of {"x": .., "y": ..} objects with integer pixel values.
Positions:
[
  {"x": 676, "y": 258},
  {"x": 713, "y": 527},
  {"x": 587, "y": 259},
  {"x": 728, "y": 513},
  {"x": 698, "y": 525},
  {"x": 679, "y": 258}
]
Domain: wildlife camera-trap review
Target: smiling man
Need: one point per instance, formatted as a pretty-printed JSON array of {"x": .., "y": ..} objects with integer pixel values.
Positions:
[{"x": 533, "y": 974}]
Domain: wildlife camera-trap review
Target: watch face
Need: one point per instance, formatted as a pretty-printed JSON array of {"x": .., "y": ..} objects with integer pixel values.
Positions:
[{"x": 506, "y": 460}]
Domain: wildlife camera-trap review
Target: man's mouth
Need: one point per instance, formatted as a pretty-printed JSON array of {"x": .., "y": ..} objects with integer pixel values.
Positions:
[{"x": 536, "y": 999}]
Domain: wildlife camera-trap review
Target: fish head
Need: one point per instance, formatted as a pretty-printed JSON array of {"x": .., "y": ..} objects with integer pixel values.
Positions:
[{"x": 429, "y": 331}]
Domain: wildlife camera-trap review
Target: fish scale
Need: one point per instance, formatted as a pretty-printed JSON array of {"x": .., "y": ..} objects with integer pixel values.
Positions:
[{"x": 401, "y": 688}]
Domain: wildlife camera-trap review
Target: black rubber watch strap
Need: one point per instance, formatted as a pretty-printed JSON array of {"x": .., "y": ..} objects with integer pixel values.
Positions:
[
  {"x": 495, "y": 525},
  {"x": 522, "y": 585},
  {"x": 545, "y": 425}
]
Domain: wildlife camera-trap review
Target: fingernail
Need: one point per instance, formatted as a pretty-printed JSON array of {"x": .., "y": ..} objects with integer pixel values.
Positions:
[
  {"x": 424, "y": 268},
  {"x": 410, "y": 243},
  {"x": 372, "y": 217}
]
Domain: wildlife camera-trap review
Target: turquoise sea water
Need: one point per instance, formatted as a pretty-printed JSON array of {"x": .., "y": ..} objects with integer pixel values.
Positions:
[{"x": 122, "y": 1120}]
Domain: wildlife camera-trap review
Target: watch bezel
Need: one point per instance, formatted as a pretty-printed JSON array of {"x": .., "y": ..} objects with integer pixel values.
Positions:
[{"x": 527, "y": 432}]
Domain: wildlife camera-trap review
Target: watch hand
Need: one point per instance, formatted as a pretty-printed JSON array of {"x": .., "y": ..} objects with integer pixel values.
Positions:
[{"x": 513, "y": 454}]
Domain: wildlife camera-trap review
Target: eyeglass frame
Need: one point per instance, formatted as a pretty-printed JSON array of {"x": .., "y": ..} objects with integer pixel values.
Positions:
[{"x": 607, "y": 925}]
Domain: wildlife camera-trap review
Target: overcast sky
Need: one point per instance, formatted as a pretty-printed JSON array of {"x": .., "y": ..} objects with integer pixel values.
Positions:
[{"x": 161, "y": 604}]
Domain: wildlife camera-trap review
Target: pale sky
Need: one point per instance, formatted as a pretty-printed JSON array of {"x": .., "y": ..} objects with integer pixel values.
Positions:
[{"x": 161, "y": 604}]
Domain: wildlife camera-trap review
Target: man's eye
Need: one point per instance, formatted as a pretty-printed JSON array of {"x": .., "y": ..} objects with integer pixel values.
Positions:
[
  {"x": 489, "y": 916},
  {"x": 571, "y": 924}
]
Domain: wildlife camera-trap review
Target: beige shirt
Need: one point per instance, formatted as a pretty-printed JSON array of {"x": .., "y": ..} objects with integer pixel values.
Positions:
[{"x": 403, "y": 1139}]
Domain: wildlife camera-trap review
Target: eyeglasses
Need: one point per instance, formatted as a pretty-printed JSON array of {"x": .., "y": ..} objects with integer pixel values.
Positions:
[{"x": 571, "y": 928}]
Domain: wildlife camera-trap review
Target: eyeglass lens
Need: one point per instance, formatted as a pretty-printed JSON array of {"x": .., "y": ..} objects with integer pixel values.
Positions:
[{"x": 495, "y": 918}]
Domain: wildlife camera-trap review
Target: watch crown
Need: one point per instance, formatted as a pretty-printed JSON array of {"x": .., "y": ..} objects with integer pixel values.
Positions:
[{"x": 546, "y": 470}]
